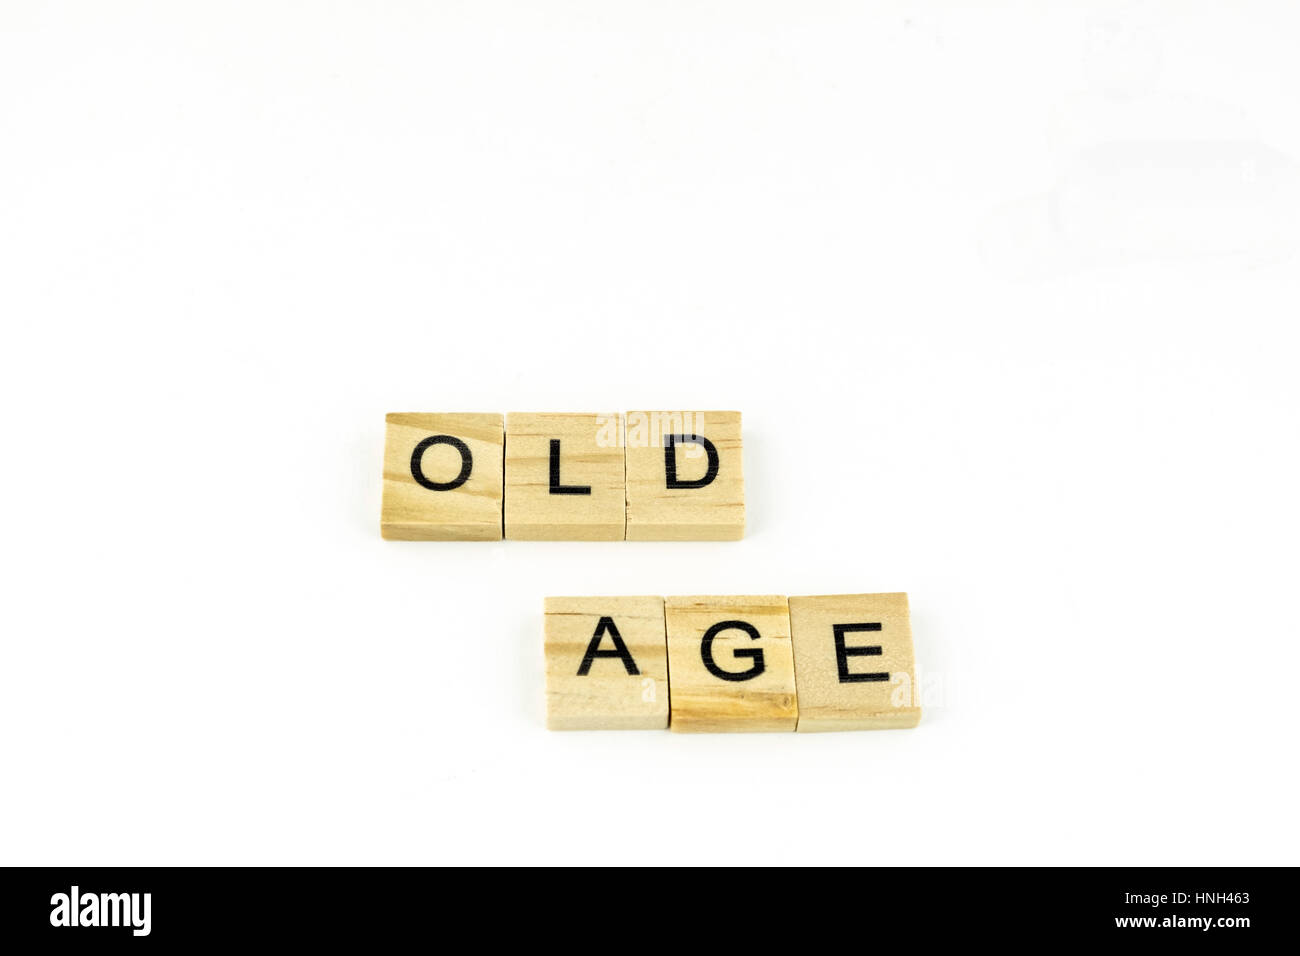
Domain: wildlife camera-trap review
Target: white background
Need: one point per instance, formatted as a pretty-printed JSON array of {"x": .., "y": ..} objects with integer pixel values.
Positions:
[{"x": 1008, "y": 298}]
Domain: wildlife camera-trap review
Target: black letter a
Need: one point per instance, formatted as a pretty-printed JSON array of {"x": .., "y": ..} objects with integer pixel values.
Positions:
[{"x": 620, "y": 650}]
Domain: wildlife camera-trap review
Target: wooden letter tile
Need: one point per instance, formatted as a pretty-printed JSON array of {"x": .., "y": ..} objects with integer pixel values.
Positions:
[
  {"x": 606, "y": 663},
  {"x": 685, "y": 480},
  {"x": 442, "y": 477},
  {"x": 730, "y": 664},
  {"x": 853, "y": 662},
  {"x": 564, "y": 477}
]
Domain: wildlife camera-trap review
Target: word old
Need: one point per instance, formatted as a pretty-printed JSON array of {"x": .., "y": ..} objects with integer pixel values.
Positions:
[{"x": 580, "y": 477}]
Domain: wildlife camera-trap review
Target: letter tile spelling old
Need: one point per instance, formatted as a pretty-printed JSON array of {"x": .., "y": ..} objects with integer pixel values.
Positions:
[
  {"x": 667, "y": 476},
  {"x": 442, "y": 477},
  {"x": 565, "y": 477},
  {"x": 685, "y": 480},
  {"x": 606, "y": 663},
  {"x": 730, "y": 665}
]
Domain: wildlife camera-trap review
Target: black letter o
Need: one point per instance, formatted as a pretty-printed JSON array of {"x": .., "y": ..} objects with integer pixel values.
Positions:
[{"x": 466, "y": 463}]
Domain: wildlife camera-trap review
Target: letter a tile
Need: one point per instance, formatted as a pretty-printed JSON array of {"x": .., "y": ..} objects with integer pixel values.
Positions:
[{"x": 606, "y": 663}]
